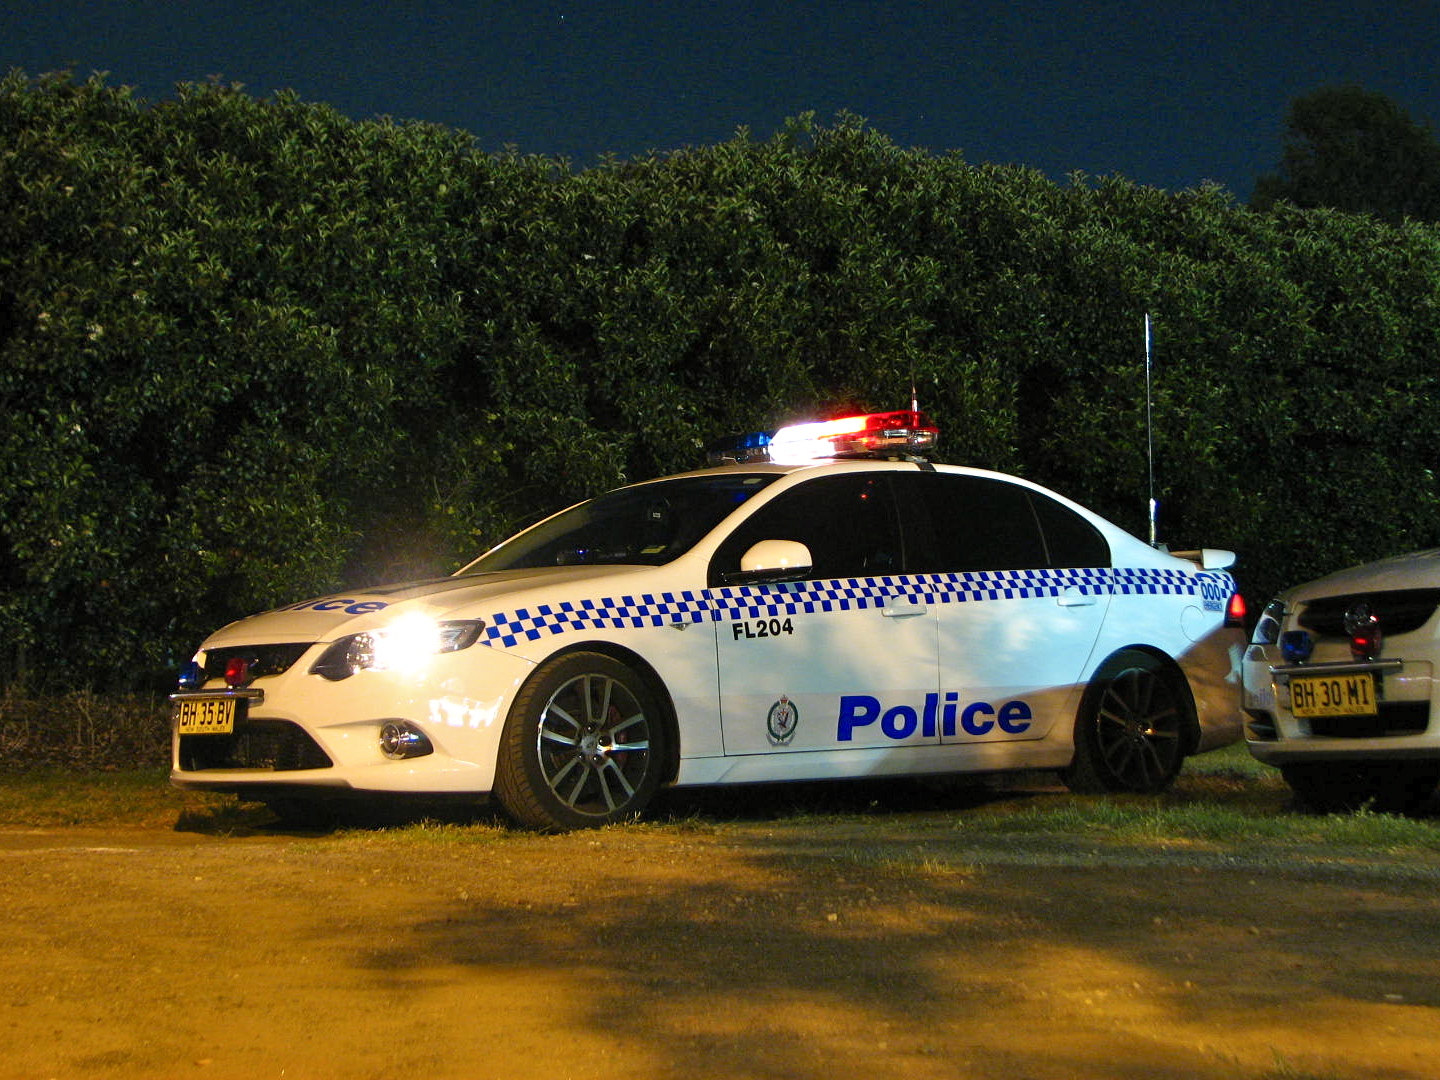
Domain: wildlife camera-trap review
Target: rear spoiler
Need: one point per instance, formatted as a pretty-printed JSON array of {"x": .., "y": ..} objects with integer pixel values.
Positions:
[{"x": 1208, "y": 558}]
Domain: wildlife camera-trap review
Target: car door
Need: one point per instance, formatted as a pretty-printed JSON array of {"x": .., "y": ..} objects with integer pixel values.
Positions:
[
  {"x": 1016, "y": 579},
  {"x": 843, "y": 659}
]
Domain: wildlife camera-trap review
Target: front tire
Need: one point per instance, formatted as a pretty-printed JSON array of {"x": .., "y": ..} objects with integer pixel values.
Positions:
[
  {"x": 583, "y": 746},
  {"x": 1130, "y": 735}
]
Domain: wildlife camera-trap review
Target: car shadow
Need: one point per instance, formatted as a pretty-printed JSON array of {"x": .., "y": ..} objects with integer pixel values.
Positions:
[{"x": 231, "y": 816}]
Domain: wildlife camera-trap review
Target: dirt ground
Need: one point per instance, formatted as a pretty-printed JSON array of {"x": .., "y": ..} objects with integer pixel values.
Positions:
[{"x": 876, "y": 946}]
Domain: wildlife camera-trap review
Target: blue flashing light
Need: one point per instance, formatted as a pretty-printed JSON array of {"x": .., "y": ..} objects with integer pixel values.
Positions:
[
  {"x": 192, "y": 676},
  {"x": 741, "y": 449},
  {"x": 1296, "y": 646}
]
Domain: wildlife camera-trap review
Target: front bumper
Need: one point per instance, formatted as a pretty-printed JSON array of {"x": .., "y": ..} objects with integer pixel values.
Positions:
[
  {"x": 1401, "y": 727},
  {"x": 296, "y": 731}
]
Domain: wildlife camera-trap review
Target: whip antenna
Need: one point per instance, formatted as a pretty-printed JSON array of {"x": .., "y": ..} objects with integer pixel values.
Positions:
[{"x": 1149, "y": 433}]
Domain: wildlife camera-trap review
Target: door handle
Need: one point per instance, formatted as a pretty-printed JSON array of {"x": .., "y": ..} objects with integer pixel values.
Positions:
[
  {"x": 1073, "y": 597},
  {"x": 901, "y": 608}
]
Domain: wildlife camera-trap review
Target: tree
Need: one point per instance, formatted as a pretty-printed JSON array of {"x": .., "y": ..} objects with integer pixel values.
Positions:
[{"x": 1352, "y": 149}]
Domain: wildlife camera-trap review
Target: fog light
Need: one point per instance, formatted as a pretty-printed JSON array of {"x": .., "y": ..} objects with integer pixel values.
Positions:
[{"x": 402, "y": 739}]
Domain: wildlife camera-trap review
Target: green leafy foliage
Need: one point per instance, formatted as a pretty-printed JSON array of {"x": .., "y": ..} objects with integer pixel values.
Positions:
[{"x": 251, "y": 350}]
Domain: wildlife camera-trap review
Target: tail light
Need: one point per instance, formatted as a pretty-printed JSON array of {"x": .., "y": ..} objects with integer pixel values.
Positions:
[{"x": 1235, "y": 611}]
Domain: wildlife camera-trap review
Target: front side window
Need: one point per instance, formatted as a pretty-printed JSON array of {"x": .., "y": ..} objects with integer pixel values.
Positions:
[
  {"x": 648, "y": 525},
  {"x": 848, "y": 523}
]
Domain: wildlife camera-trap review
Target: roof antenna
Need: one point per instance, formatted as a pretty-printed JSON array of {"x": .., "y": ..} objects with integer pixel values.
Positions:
[{"x": 1149, "y": 434}]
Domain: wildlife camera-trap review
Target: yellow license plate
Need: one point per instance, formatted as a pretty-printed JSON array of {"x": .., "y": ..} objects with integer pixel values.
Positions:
[
  {"x": 1333, "y": 695},
  {"x": 205, "y": 716}
]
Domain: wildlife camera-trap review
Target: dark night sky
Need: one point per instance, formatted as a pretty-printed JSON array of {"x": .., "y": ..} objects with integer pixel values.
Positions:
[{"x": 1167, "y": 94}]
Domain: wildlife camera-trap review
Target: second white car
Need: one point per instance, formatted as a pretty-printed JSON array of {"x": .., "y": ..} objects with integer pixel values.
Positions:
[{"x": 1340, "y": 686}]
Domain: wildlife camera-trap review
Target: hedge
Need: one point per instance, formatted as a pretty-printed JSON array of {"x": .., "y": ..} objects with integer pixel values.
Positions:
[{"x": 252, "y": 350}]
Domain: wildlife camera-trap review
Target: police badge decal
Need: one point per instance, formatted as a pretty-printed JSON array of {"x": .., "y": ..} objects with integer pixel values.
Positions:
[{"x": 781, "y": 722}]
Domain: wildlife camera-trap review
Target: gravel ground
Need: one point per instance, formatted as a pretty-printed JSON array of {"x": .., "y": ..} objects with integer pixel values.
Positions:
[{"x": 883, "y": 945}]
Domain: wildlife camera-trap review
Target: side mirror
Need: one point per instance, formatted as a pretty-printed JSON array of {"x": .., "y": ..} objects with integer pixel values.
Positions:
[{"x": 772, "y": 561}]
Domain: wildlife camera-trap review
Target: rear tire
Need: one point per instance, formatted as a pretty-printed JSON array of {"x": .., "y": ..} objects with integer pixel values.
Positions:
[
  {"x": 1342, "y": 787},
  {"x": 583, "y": 746},
  {"x": 1131, "y": 732}
]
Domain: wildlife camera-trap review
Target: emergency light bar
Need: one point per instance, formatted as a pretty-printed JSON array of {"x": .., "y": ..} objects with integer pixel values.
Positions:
[{"x": 905, "y": 433}]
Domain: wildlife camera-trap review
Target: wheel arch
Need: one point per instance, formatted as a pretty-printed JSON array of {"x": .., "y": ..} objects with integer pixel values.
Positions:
[
  {"x": 656, "y": 685},
  {"x": 1173, "y": 673}
]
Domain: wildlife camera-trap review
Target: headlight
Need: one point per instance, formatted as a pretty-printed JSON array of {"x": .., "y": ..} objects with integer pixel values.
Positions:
[
  {"x": 405, "y": 645},
  {"x": 1267, "y": 630}
]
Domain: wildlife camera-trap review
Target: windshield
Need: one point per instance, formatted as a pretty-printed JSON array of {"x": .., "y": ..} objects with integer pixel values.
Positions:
[{"x": 645, "y": 525}]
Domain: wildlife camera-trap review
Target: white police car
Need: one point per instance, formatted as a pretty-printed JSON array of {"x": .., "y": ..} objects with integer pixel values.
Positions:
[
  {"x": 1339, "y": 686},
  {"x": 862, "y": 613}
]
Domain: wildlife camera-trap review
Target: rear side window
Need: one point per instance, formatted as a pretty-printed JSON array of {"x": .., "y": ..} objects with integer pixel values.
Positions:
[
  {"x": 1070, "y": 540},
  {"x": 972, "y": 523}
]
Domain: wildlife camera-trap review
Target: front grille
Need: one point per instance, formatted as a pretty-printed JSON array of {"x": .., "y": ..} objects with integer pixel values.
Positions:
[
  {"x": 277, "y": 745},
  {"x": 264, "y": 659},
  {"x": 1395, "y": 718},
  {"x": 1400, "y": 612}
]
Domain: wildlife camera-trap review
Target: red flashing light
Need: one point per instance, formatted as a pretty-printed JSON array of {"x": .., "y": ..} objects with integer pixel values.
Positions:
[
  {"x": 1365, "y": 644},
  {"x": 905, "y": 431},
  {"x": 1363, "y": 626},
  {"x": 237, "y": 672}
]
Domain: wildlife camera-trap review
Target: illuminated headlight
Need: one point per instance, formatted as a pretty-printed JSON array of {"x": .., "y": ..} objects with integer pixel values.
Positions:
[{"x": 405, "y": 645}]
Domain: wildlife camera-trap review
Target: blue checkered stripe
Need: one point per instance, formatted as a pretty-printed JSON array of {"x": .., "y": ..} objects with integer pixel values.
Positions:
[
  {"x": 1159, "y": 582},
  {"x": 803, "y": 598},
  {"x": 507, "y": 629},
  {"x": 642, "y": 611},
  {"x": 1005, "y": 585}
]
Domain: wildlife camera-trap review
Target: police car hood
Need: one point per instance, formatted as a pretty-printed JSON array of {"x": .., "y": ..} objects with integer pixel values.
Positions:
[
  {"x": 472, "y": 596},
  {"x": 1417, "y": 570}
]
